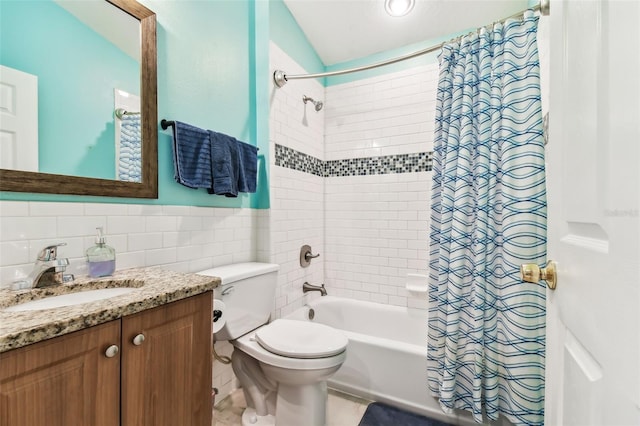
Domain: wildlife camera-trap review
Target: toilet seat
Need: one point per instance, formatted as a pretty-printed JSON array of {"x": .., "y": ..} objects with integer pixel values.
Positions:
[
  {"x": 249, "y": 345},
  {"x": 301, "y": 339}
]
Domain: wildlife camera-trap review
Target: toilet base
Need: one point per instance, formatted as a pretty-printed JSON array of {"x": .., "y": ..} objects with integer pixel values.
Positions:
[
  {"x": 250, "y": 418},
  {"x": 297, "y": 405},
  {"x": 302, "y": 405}
]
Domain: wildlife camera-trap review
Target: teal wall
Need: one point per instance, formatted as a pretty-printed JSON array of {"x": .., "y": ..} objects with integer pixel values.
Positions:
[
  {"x": 207, "y": 77},
  {"x": 287, "y": 34},
  {"x": 212, "y": 72},
  {"x": 75, "y": 96}
]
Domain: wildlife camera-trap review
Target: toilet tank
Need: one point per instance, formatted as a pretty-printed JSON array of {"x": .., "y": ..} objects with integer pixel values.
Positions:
[{"x": 248, "y": 291}]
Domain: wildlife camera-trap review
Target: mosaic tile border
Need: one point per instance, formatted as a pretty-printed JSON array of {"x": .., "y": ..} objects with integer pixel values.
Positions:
[
  {"x": 382, "y": 165},
  {"x": 296, "y": 160}
]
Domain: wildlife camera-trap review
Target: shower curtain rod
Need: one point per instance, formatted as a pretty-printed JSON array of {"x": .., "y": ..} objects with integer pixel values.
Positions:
[
  {"x": 121, "y": 112},
  {"x": 280, "y": 77}
]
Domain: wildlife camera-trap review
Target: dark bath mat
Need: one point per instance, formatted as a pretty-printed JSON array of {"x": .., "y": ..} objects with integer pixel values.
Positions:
[{"x": 379, "y": 414}]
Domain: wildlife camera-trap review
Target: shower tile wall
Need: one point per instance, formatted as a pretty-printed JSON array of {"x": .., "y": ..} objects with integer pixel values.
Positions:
[
  {"x": 180, "y": 238},
  {"x": 377, "y": 224},
  {"x": 297, "y": 197},
  {"x": 370, "y": 211},
  {"x": 385, "y": 115}
]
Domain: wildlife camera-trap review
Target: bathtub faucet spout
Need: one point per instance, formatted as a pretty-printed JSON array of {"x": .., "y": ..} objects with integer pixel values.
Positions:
[{"x": 306, "y": 287}]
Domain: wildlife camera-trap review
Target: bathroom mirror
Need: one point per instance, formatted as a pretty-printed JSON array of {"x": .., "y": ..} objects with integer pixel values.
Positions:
[{"x": 92, "y": 156}]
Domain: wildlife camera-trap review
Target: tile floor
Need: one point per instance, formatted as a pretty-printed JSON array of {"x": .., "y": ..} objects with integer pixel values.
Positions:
[{"x": 342, "y": 409}]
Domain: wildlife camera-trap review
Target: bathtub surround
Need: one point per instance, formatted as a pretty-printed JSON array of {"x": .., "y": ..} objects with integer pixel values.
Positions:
[
  {"x": 486, "y": 328},
  {"x": 367, "y": 166},
  {"x": 378, "y": 143}
]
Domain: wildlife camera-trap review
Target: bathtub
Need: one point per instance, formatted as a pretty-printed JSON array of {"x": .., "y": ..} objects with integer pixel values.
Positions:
[{"x": 386, "y": 356}]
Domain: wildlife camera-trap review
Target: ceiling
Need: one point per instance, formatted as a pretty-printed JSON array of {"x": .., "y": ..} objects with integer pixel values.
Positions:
[{"x": 342, "y": 30}]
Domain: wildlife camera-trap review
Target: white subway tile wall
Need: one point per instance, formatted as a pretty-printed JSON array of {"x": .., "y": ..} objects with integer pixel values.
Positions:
[
  {"x": 293, "y": 123},
  {"x": 377, "y": 226},
  {"x": 180, "y": 238},
  {"x": 385, "y": 115},
  {"x": 376, "y": 233},
  {"x": 297, "y": 211}
]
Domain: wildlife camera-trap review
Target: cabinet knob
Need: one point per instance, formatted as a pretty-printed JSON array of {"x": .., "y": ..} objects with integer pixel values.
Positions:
[
  {"x": 111, "y": 351},
  {"x": 138, "y": 339}
]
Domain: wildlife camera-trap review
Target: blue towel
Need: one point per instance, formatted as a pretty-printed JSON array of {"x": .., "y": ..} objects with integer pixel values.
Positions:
[
  {"x": 224, "y": 164},
  {"x": 248, "y": 167},
  {"x": 234, "y": 165},
  {"x": 192, "y": 156}
]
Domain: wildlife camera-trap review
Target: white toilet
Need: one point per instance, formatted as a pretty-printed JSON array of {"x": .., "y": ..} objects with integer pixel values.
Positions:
[{"x": 282, "y": 366}]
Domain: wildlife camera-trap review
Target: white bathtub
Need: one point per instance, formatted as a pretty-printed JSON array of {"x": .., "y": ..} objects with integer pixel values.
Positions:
[{"x": 386, "y": 356}]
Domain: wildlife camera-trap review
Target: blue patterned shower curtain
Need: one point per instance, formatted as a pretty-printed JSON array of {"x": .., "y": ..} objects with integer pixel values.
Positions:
[{"x": 486, "y": 327}]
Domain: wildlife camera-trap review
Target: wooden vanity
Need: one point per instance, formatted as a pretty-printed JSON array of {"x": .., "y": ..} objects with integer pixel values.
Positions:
[{"x": 151, "y": 365}]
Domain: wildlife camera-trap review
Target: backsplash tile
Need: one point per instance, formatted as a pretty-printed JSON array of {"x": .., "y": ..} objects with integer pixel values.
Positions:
[{"x": 178, "y": 237}]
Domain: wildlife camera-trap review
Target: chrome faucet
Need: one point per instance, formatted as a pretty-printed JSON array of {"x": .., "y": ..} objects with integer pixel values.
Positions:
[
  {"x": 48, "y": 270},
  {"x": 306, "y": 287}
]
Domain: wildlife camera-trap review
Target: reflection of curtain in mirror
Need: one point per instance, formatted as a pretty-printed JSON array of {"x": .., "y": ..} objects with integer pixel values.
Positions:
[
  {"x": 128, "y": 136},
  {"x": 130, "y": 153}
]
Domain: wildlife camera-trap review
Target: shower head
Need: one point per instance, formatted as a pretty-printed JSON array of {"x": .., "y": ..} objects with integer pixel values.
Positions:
[{"x": 318, "y": 104}]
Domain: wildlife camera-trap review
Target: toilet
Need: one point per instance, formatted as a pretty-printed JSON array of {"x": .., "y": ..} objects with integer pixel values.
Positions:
[{"x": 282, "y": 366}]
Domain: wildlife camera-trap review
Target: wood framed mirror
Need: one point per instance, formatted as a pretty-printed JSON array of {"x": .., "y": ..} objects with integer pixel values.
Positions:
[{"x": 147, "y": 187}]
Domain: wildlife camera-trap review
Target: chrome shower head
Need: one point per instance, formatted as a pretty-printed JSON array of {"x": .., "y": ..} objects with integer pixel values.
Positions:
[{"x": 317, "y": 104}]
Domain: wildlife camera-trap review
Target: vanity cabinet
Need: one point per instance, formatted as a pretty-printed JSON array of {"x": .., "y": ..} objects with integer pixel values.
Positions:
[
  {"x": 161, "y": 378},
  {"x": 62, "y": 381},
  {"x": 166, "y": 379}
]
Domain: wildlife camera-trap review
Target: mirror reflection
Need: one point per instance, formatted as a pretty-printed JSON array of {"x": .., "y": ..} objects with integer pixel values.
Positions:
[{"x": 58, "y": 106}]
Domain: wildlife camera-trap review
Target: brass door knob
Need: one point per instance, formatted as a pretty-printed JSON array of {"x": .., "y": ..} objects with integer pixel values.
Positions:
[{"x": 532, "y": 273}]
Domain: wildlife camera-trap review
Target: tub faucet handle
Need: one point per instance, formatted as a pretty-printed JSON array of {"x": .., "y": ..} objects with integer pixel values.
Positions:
[{"x": 306, "y": 256}]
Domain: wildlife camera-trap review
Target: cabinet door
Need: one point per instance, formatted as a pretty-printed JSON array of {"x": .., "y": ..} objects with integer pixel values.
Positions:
[
  {"x": 166, "y": 379},
  {"x": 64, "y": 381}
]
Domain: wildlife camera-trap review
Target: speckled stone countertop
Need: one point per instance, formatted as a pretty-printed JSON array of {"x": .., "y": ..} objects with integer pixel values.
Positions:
[{"x": 153, "y": 287}]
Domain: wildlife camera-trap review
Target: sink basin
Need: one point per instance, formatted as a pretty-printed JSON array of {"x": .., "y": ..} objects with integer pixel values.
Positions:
[{"x": 69, "y": 299}]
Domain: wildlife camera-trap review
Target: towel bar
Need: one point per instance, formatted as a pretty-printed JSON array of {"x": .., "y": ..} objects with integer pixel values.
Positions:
[{"x": 165, "y": 124}]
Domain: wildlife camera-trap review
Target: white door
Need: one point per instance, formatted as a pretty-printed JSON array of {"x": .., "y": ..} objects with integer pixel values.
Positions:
[
  {"x": 593, "y": 156},
  {"x": 18, "y": 120}
]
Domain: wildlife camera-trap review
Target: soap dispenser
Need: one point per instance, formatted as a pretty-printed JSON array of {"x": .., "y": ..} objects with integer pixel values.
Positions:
[{"x": 101, "y": 257}]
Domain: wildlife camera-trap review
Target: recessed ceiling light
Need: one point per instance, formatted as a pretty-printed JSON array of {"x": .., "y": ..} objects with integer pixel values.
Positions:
[{"x": 397, "y": 8}]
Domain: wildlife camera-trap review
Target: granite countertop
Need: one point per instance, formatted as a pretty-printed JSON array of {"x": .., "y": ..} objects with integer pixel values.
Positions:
[{"x": 153, "y": 287}]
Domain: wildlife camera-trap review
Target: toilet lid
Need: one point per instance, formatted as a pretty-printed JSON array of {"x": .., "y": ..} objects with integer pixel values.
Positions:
[{"x": 301, "y": 339}]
